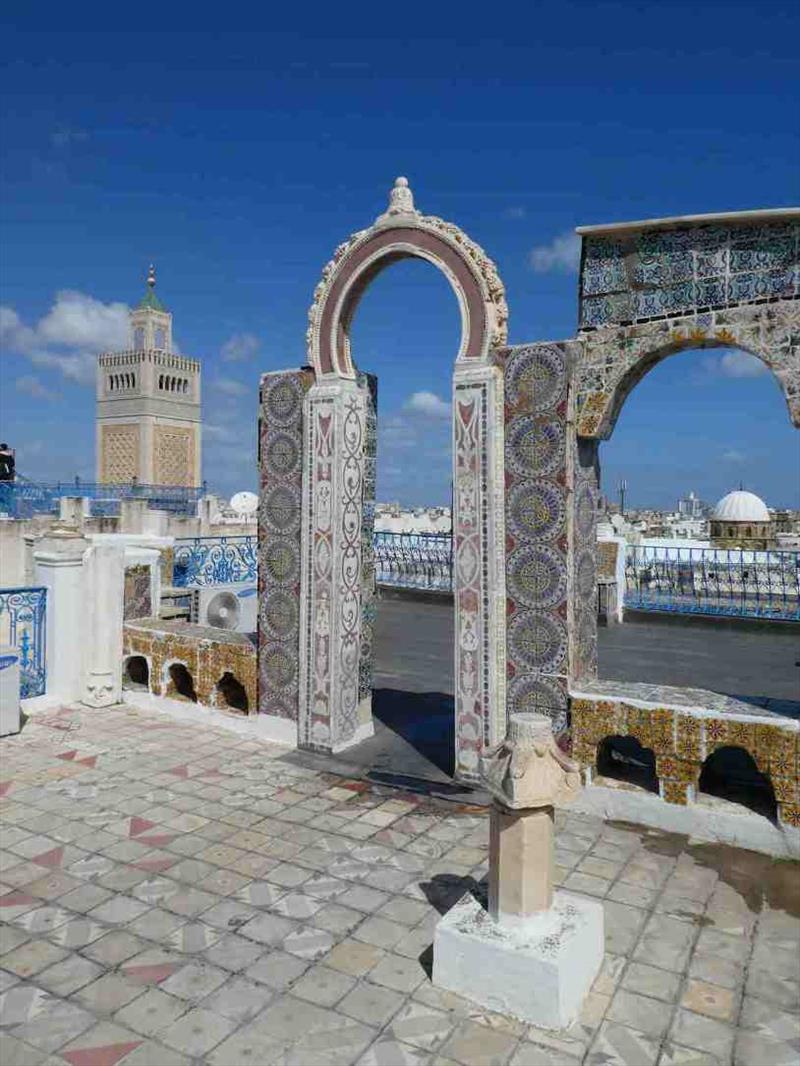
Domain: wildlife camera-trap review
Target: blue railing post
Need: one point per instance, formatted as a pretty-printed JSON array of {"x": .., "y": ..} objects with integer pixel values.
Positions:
[{"x": 23, "y": 624}]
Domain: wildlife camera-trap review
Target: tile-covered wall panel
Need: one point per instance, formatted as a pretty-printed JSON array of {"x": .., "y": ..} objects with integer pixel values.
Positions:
[{"x": 281, "y": 444}]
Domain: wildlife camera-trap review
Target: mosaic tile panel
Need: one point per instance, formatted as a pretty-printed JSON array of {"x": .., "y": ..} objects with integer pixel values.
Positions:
[
  {"x": 331, "y": 591},
  {"x": 208, "y": 654},
  {"x": 279, "y": 534},
  {"x": 137, "y": 598},
  {"x": 537, "y": 500},
  {"x": 656, "y": 273},
  {"x": 683, "y": 728},
  {"x": 368, "y": 383},
  {"x": 583, "y": 615},
  {"x": 615, "y": 357},
  {"x": 478, "y": 559}
]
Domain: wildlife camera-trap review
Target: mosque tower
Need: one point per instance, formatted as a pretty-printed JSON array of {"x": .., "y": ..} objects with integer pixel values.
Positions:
[{"x": 148, "y": 404}]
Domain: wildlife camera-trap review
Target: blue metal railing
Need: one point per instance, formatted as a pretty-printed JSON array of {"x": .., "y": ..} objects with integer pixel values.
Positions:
[
  {"x": 214, "y": 561},
  {"x": 414, "y": 560},
  {"x": 23, "y": 625},
  {"x": 23, "y": 498},
  {"x": 713, "y": 581}
]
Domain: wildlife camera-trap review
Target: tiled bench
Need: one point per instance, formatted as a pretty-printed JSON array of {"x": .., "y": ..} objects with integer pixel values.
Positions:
[
  {"x": 683, "y": 727},
  {"x": 206, "y": 653}
]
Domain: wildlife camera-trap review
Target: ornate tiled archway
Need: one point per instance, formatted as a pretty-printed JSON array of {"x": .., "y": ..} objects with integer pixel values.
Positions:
[
  {"x": 527, "y": 421},
  {"x": 317, "y": 497}
]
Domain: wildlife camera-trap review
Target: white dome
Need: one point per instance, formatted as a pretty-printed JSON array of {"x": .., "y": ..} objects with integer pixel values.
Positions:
[
  {"x": 741, "y": 506},
  {"x": 244, "y": 502}
]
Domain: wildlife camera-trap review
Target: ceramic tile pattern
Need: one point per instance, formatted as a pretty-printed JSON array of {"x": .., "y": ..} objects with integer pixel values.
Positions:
[
  {"x": 172, "y": 893},
  {"x": 206, "y": 653},
  {"x": 280, "y": 433},
  {"x": 683, "y": 737},
  {"x": 137, "y": 599}
]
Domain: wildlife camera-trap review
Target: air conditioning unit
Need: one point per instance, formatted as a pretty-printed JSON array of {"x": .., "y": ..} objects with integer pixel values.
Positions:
[{"x": 233, "y": 607}]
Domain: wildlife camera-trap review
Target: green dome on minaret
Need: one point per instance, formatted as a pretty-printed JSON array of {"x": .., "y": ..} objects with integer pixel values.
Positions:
[{"x": 150, "y": 300}]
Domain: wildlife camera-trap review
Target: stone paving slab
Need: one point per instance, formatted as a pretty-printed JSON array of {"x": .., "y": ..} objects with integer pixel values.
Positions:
[{"x": 180, "y": 895}]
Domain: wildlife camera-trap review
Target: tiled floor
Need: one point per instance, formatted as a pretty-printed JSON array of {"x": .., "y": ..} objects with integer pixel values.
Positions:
[{"x": 173, "y": 894}]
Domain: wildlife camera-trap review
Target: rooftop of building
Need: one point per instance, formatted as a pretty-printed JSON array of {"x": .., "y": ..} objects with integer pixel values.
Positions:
[{"x": 770, "y": 214}]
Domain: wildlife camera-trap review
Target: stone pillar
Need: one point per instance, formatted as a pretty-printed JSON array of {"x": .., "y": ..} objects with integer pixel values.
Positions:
[
  {"x": 479, "y": 580},
  {"x": 132, "y": 515},
  {"x": 532, "y": 953},
  {"x": 281, "y": 465},
  {"x": 331, "y": 716},
  {"x": 102, "y": 683},
  {"x": 74, "y": 510},
  {"x": 59, "y": 566},
  {"x": 521, "y": 863},
  {"x": 206, "y": 509}
]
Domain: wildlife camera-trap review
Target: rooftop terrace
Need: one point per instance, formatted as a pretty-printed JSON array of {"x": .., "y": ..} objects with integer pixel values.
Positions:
[{"x": 175, "y": 894}]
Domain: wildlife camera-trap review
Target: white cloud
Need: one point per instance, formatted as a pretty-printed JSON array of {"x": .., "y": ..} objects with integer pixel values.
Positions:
[
  {"x": 515, "y": 212},
  {"x": 427, "y": 403},
  {"x": 735, "y": 364},
  {"x": 561, "y": 255},
  {"x": 240, "y": 346},
  {"x": 75, "y": 330},
  {"x": 230, "y": 387},
  {"x": 223, "y": 434},
  {"x": 31, "y": 385},
  {"x": 733, "y": 456}
]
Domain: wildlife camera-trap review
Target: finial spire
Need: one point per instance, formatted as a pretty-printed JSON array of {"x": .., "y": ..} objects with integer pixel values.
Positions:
[
  {"x": 401, "y": 201},
  {"x": 151, "y": 276}
]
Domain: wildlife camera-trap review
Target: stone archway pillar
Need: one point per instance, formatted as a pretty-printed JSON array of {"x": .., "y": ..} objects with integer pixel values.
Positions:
[
  {"x": 478, "y": 564},
  {"x": 334, "y": 712}
]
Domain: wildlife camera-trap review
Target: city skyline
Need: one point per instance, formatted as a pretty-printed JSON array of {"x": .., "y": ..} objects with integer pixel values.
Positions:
[{"x": 240, "y": 216}]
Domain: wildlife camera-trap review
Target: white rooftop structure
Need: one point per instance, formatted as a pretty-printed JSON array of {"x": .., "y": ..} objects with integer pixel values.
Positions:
[{"x": 741, "y": 506}]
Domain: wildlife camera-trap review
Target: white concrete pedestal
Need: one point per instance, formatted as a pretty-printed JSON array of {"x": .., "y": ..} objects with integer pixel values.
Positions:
[
  {"x": 9, "y": 690},
  {"x": 539, "y": 970}
]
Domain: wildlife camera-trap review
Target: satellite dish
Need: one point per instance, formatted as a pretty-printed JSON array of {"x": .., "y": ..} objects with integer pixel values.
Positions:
[
  {"x": 244, "y": 502},
  {"x": 223, "y": 611}
]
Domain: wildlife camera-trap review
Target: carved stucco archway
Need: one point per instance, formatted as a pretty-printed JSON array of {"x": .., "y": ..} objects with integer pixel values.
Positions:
[
  {"x": 327, "y": 418},
  {"x": 651, "y": 289}
]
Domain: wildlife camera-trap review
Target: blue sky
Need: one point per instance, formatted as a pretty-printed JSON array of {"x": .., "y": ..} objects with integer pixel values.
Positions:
[{"x": 237, "y": 159}]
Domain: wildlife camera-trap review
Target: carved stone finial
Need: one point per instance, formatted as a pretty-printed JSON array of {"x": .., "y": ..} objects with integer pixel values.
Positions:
[
  {"x": 401, "y": 200},
  {"x": 528, "y": 769}
]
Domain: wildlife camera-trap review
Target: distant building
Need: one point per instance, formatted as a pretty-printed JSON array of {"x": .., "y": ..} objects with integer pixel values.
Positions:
[
  {"x": 741, "y": 520},
  {"x": 392, "y": 518},
  {"x": 148, "y": 405},
  {"x": 692, "y": 506}
]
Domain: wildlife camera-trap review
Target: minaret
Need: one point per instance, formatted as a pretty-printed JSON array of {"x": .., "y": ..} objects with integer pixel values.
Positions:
[{"x": 148, "y": 404}]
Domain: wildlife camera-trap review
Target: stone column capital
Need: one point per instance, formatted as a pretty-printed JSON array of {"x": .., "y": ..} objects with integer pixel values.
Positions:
[{"x": 527, "y": 769}]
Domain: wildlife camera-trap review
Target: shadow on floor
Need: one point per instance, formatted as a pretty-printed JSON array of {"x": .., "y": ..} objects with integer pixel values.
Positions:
[{"x": 422, "y": 720}]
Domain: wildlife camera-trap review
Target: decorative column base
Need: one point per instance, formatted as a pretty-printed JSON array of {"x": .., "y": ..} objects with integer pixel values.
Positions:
[
  {"x": 538, "y": 971},
  {"x": 530, "y": 953}
]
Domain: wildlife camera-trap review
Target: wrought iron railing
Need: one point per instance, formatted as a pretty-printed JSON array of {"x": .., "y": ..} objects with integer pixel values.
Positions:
[
  {"x": 414, "y": 560},
  {"x": 23, "y": 498},
  {"x": 23, "y": 625},
  {"x": 214, "y": 561},
  {"x": 715, "y": 581}
]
